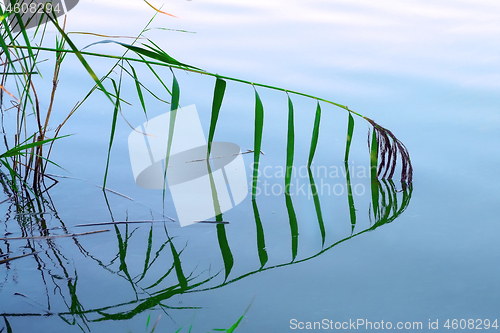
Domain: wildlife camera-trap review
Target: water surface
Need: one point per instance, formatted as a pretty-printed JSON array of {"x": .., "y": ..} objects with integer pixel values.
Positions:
[{"x": 427, "y": 71}]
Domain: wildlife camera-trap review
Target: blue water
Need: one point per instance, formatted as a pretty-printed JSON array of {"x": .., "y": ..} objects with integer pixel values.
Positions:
[{"x": 427, "y": 71}]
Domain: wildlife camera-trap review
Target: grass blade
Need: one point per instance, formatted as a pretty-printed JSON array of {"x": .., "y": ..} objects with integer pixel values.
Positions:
[
  {"x": 220, "y": 88},
  {"x": 261, "y": 241},
  {"x": 259, "y": 125},
  {"x": 290, "y": 146},
  {"x": 174, "y": 105},
  {"x": 317, "y": 207},
  {"x": 315, "y": 135},
  {"x": 215, "y": 197},
  {"x": 18, "y": 149},
  {"x": 139, "y": 90},
  {"x": 350, "y": 199},
  {"x": 350, "y": 130},
  {"x": 113, "y": 128},
  {"x": 294, "y": 227},
  {"x": 148, "y": 254},
  {"x": 225, "y": 250},
  {"x": 175, "y": 94},
  {"x": 178, "y": 268}
]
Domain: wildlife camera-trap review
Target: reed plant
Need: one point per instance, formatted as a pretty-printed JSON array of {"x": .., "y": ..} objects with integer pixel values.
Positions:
[{"x": 29, "y": 144}]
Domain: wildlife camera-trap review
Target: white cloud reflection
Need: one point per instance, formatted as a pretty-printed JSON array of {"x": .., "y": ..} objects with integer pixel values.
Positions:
[{"x": 450, "y": 41}]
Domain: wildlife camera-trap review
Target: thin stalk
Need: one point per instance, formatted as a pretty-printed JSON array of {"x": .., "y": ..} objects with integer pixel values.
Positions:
[{"x": 157, "y": 63}]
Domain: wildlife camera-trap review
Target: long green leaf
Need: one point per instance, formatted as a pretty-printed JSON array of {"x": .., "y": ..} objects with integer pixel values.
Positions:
[
  {"x": 113, "y": 128},
  {"x": 294, "y": 226},
  {"x": 227, "y": 256},
  {"x": 139, "y": 90},
  {"x": 18, "y": 149},
  {"x": 261, "y": 241},
  {"x": 215, "y": 197},
  {"x": 220, "y": 88},
  {"x": 183, "y": 283},
  {"x": 174, "y": 105},
  {"x": 148, "y": 253},
  {"x": 315, "y": 135},
  {"x": 350, "y": 199},
  {"x": 350, "y": 130},
  {"x": 317, "y": 207},
  {"x": 259, "y": 126},
  {"x": 290, "y": 146},
  {"x": 175, "y": 94}
]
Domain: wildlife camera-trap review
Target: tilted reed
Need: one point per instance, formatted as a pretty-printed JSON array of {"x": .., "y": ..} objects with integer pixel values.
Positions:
[{"x": 17, "y": 50}]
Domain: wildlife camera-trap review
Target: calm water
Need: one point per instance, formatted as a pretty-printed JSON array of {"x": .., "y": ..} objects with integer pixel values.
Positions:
[{"x": 428, "y": 71}]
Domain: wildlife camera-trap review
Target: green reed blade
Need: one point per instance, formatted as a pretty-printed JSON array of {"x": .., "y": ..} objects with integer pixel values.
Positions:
[
  {"x": 315, "y": 134},
  {"x": 259, "y": 125},
  {"x": 174, "y": 105},
  {"x": 213, "y": 190},
  {"x": 148, "y": 253},
  {"x": 19, "y": 148},
  {"x": 220, "y": 88},
  {"x": 235, "y": 325},
  {"x": 317, "y": 207},
  {"x": 294, "y": 227},
  {"x": 350, "y": 130},
  {"x": 350, "y": 198},
  {"x": 225, "y": 250},
  {"x": 261, "y": 240},
  {"x": 113, "y": 127},
  {"x": 139, "y": 90},
  {"x": 175, "y": 94},
  {"x": 178, "y": 268},
  {"x": 290, "y": 146}
]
